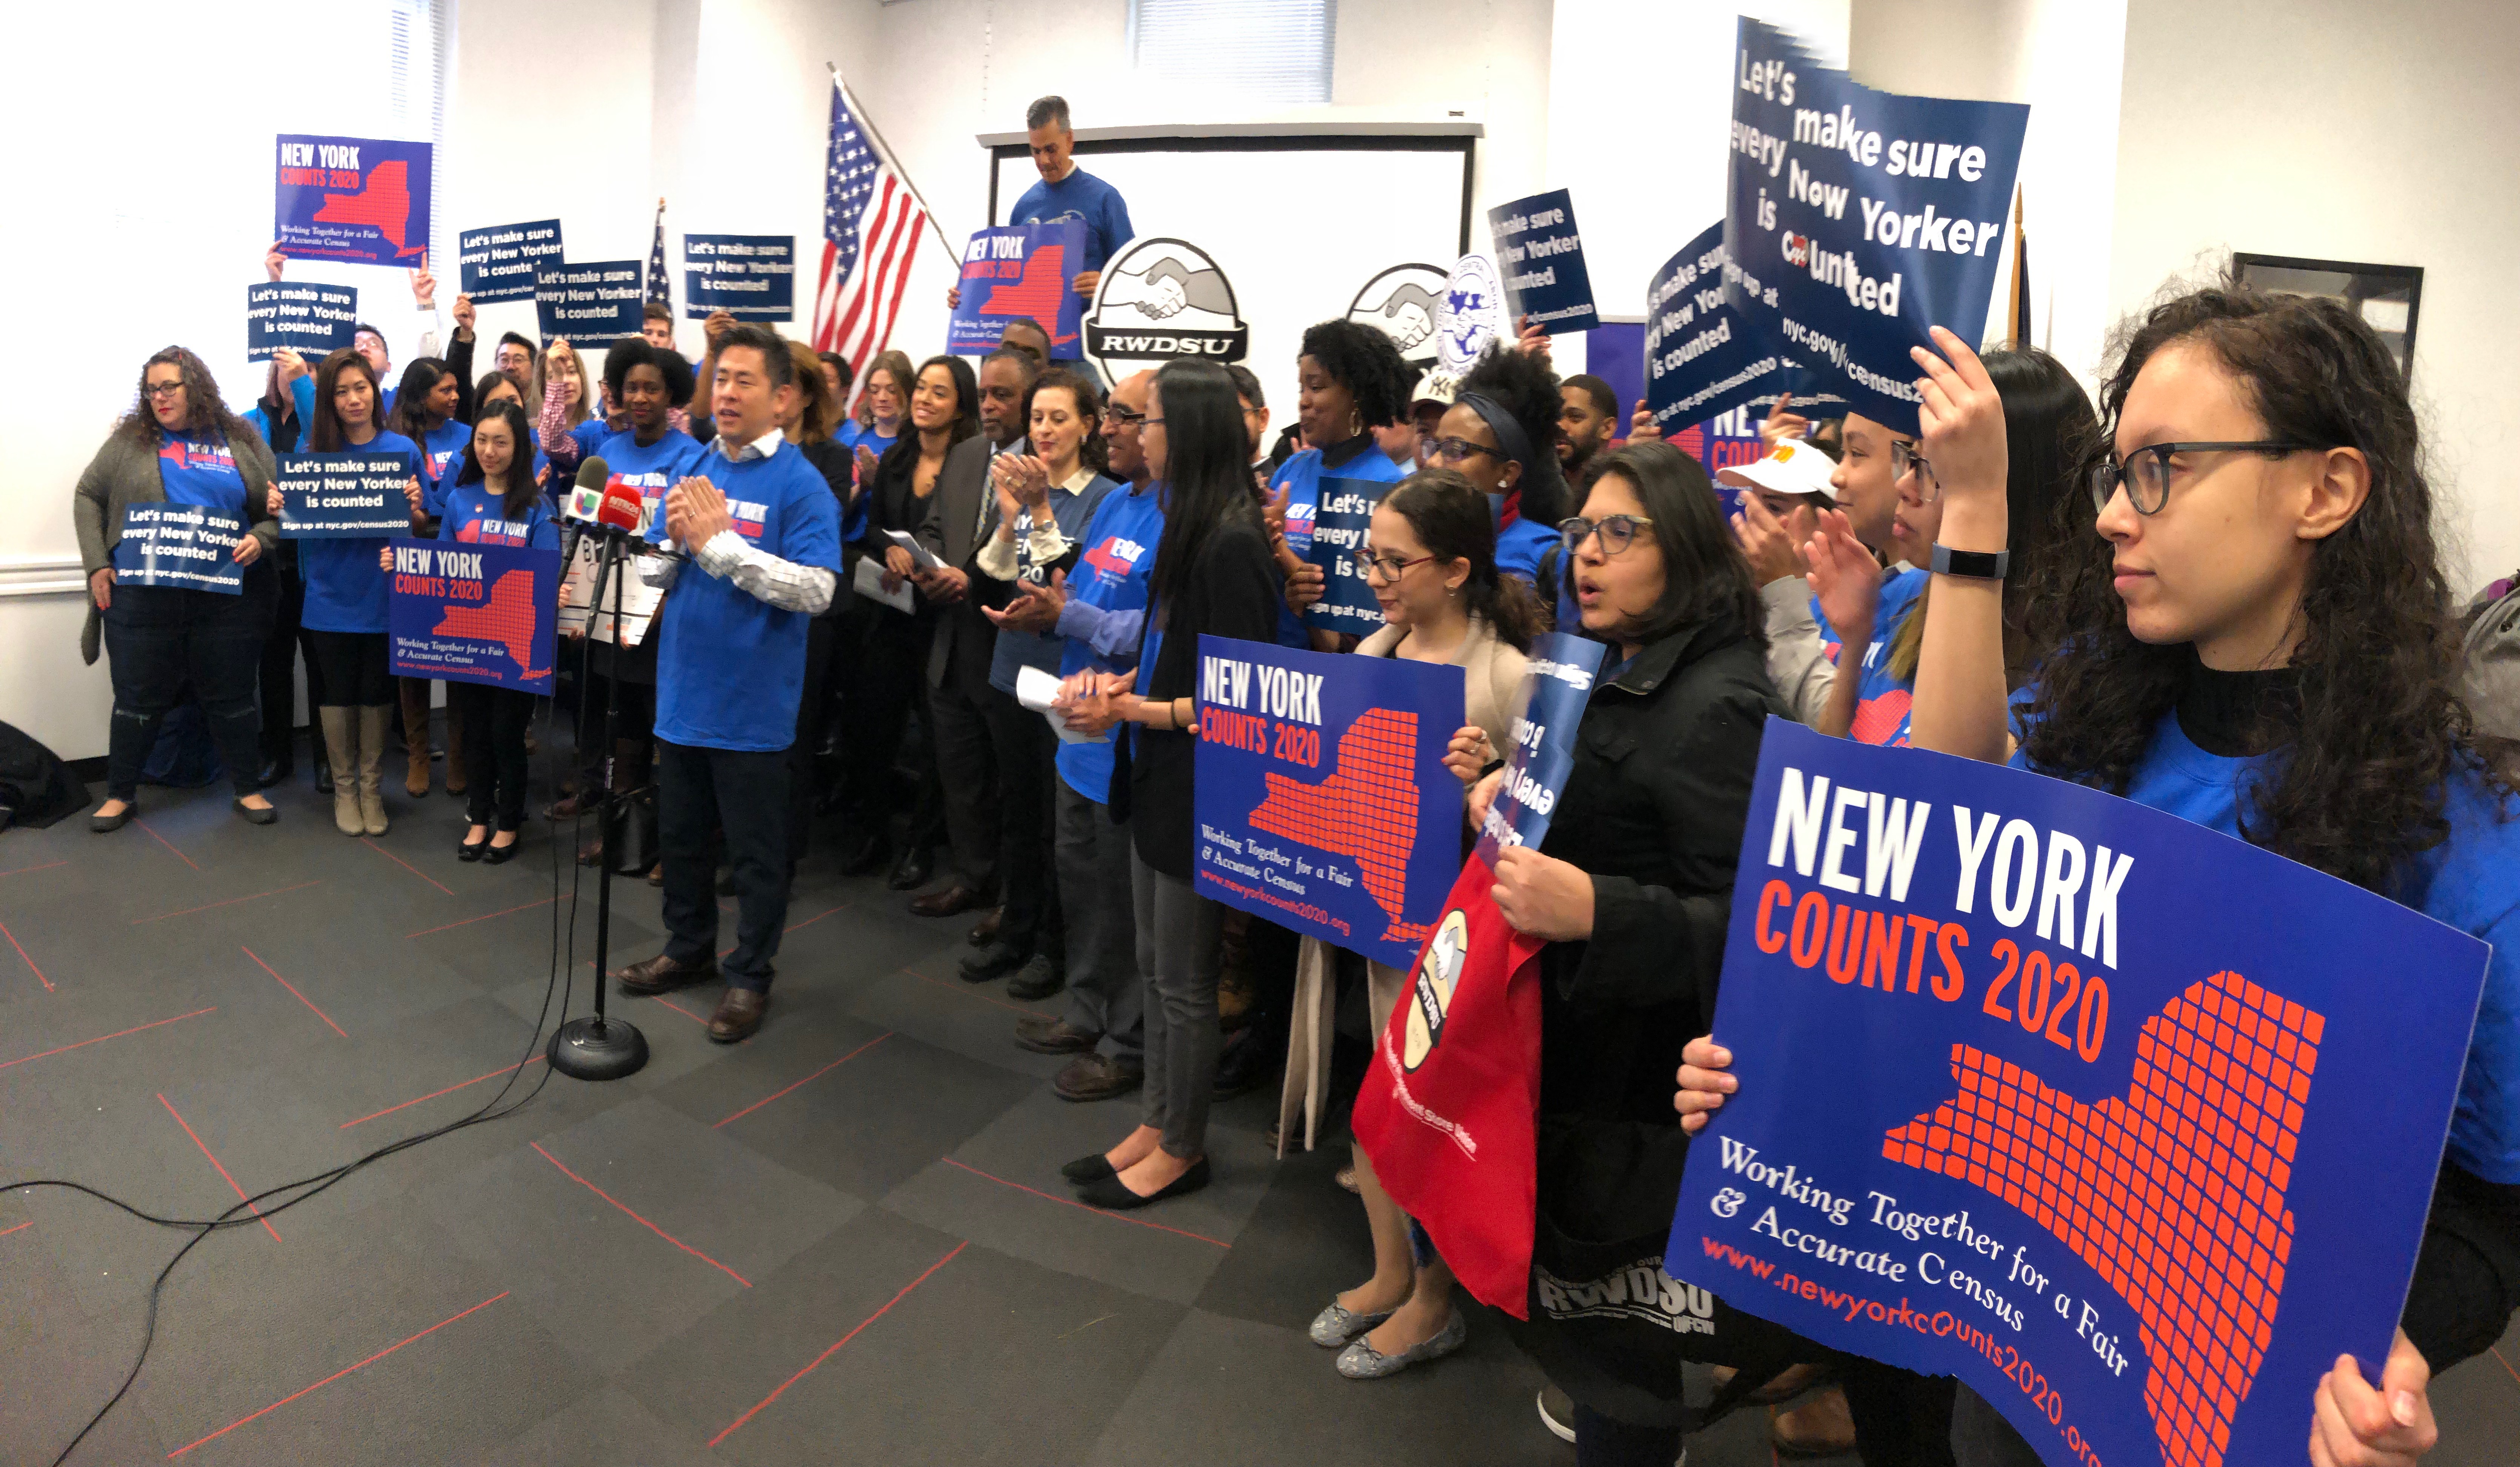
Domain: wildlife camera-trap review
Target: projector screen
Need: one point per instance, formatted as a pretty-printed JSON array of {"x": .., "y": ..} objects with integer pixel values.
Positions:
[{"x": 1298, "y": 225}]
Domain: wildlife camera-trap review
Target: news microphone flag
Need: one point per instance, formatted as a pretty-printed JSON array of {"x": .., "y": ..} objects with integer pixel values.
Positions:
[{"x": 871, "y": 219}]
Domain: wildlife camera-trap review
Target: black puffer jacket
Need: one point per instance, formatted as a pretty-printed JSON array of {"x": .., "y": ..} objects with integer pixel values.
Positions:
[{"x": 1653, "y": 810}]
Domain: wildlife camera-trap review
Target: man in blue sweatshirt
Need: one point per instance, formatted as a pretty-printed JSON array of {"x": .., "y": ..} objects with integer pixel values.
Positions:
[
  {"x": 761, "y": 535},
  {"x": 1067, "y": 192}
]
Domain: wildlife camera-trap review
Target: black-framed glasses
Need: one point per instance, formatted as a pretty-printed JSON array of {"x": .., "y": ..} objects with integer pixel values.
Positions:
[
  {"x": 2145, "y": 474},
  {"x": 162, "y": 390},
  {"x": 1617, "y": 531},
  {"x": 1114, "y": 412},
  {"x": 1145, "y": 421},
  {"x": 1390, "y": 568},
  {"x": 1904, "y": 458},
  {"x": 1455, "y": 450}
]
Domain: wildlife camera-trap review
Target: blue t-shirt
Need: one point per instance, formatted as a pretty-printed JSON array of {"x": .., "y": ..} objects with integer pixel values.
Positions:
[
  {"x": 652, "y": 469},
  {"x": 730, "y": 667},
  {"x": 1016, "y": 650},
  {"x": 197, "y": 468},
  {"x": 1109, "y": 582},
  {"x": 851, "y": 436},
  {"x": 590, "y": 435},
  {"x": 346, "y": 589},
  {"x": 1519, "y": 547},
  {"x": 2470, "y": 881},
  {"x": 475, "y": 516},
  {"x": 441, "y": 457},
  {"x": 1301, "y": 477},
  {"x": 1881, "y": 701},
  {"x": 1080, "y": 196}
]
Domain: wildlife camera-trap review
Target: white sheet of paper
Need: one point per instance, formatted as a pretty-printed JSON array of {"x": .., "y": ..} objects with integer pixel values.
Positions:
[
  {"x": 867, "y": 580},
  {"x": 1037, "y": 690},
  {"x": 918, "y": 554}
]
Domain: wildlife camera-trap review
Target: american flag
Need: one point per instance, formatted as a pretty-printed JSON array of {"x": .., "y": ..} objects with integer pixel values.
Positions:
[
  {"x": 660, "y": 285},
  {"x": 871, "y": 219}
]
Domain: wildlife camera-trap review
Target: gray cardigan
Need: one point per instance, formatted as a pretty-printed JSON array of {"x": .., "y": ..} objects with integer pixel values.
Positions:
[{"x": 124, "y": 473}]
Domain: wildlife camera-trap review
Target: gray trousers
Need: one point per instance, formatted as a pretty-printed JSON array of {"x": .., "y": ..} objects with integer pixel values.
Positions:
[
  {"x": 1106, "y": 994},
  {"x": 1179, "y": 951}
]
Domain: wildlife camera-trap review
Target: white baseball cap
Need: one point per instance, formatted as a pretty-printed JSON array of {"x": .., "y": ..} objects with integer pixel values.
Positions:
[
  {"x": 1438, "y": 386},
  {"x": 1791, "y": 468}
]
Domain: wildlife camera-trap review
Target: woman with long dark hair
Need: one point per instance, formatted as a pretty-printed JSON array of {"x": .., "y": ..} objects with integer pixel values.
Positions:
[
  {"x": 180, "y": 445},
  {"x": 426, "y": 409},
  {"x": 345, "y": 599},
  {"x": 1213, "y": 576},
  {"x": 944, "y": 408},
  {"x": 2049, "y": 432},
  {"x": 1430, "y": 557},
  {"x": 1350, "y": 382},
  {"x": 492, "y": 500}
]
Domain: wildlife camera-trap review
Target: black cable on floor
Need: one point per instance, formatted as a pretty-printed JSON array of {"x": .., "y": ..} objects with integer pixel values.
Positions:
[{"x": 561, "y": 979}]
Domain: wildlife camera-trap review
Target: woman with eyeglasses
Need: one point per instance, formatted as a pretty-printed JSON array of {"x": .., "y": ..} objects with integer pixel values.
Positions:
[
  {"x": 1500, "y": 434},
  {"x": 1213, "y": 576},
  {"x": 179, "y": 445},
  {"x": 2259, "y": 639},
  {"x": 2048, "y": 428},
  {"x": 428, "y": 410},
  {"x": 1430, "y": 557},
  {"x": 1632, "y": 889},
  {"x": 1350, "y": 382}
]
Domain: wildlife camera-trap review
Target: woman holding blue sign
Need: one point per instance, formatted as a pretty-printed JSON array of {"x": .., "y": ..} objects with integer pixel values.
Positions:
[
  {"x": 179, "y": 446},
  {"x": 1213, "y": 576},
  {"x": 344, "y": 617},
  {"x": 428, "y": 410},
  {"x": 1430, "y": 557},
  {"x": 493, "y": 500},
  {"x": 1350, "y": 381}
]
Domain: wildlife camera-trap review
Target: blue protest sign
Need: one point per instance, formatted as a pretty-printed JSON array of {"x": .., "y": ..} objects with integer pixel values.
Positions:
[
  {"x": 749, "y": 277},
  {"x": 2058, "y": 1094},
  {"x": 590, "y": 305},
  {"x": 1855, "y": 219},
  {"x": 1556, "y": 687},
  {"x": 1020, "y": 270},
  {"x": 343, "y": 496},
  {"x": 361, "y": 200},
  {"x": 1323, "y": 800},
  {"x": 498, "y": 263},
  {"x": 475, "y": 612},
  {"x": 1542, "y": 253},
  {"x": 187, "y": 547},
  {"x": 1341, "y": 515},
  {"x": 311, "y": 319},
  {"x": 1703, "y": 359}
]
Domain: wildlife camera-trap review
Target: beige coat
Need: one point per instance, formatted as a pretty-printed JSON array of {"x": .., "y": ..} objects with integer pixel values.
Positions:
[{"x": 1493, "y": 690}]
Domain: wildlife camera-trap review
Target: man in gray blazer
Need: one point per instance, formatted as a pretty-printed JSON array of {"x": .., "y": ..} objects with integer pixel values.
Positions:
[{"x": 961, "y": 516}]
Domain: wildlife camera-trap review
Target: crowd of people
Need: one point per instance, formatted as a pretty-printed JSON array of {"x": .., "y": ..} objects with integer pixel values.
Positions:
[{"x": 2217, "y": 592}]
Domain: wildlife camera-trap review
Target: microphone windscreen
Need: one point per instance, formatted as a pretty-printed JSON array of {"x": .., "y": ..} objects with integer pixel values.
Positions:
[
  {"x": 623, "y": 508},
  {"x": 592, "y": 472},
  {"x": 586, "y": 501}
]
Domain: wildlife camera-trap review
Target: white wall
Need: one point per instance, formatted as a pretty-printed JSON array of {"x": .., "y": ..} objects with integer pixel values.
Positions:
[{"x": 2331, "y": 130}]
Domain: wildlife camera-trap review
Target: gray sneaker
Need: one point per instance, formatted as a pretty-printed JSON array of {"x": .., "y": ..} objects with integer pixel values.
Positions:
[
  {"x": 1038, "y": 978},
  {"x": 1362, "y": 1362}
]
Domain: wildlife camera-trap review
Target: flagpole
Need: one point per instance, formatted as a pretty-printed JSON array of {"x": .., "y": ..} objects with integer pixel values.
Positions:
[{"x": 952, "y": 255}]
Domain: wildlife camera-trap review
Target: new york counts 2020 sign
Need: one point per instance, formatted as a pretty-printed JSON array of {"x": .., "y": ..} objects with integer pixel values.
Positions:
[
  {"x": 1322, "y": 801},
  {"x": 361, "y": 200},
  {"x": 2061, "y": 1095}
]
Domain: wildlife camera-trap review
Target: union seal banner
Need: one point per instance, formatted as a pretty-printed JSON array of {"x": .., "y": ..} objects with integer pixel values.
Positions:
[
  {"x": 2068, "y": 1097},
  {"x": 1322, "y": 797}
]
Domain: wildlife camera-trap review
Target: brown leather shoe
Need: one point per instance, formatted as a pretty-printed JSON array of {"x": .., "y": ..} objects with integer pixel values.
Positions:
[
  {"x": 737, "y": 1014},
  {"x": 953, "y": 901},
  {"x": 1098, "y": 1077},
  {"x": 1820, "y": 1427},
  {"x": 661, "y": 974},
  {"x": 1045, "y": 1036},
  {"x": 985, "y": 930}
]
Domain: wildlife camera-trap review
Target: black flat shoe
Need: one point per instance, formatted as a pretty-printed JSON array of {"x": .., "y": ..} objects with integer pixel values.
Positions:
[
  {"x": 323, "y": 777},
  {"x": 911, "y": 872},
  {"x": 268, "y": 814},
  {"x": 1087, "y": 1168},
  {"x": 1113, "y": 1195},
  {"x": 500, "y": 855},
  {"x": 273, "y": 771},
  {"x": 470, "y": 850},
  {"x": 106, "y": 825}
]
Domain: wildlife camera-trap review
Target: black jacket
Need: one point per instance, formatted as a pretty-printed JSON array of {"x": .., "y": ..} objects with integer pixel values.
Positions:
[
  {"x": 1233, "y": 593},
  {"x": 1653, "y": 810}
]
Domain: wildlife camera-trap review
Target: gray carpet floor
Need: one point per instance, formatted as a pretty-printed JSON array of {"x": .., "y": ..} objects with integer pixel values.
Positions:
[{"x": 844, "y": 1241}]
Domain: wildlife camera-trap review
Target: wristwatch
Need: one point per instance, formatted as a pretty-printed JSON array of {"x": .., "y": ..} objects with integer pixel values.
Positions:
[{"x": 1976, "y": 564}]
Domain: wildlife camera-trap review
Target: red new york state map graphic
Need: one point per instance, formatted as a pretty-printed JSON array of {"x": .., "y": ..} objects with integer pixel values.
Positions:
[
  {"x": 1368, "y": 809},
  {"x": 1037, "y": 294},
  {"x": 508, "y": 618},
  {"x": 384, "y": 202},
  {"x": 2174, "y": 1194}
]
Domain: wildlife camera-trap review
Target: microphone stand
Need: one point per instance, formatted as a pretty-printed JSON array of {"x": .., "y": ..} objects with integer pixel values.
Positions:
[{"x": 600, "y": 1047}]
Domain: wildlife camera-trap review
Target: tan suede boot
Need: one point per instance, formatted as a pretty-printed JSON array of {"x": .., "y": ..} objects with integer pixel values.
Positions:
[
  {"x": 414, "y": 734},
  {"x": 341, "y": 752},
  {"x": 372, "y": 753}
]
